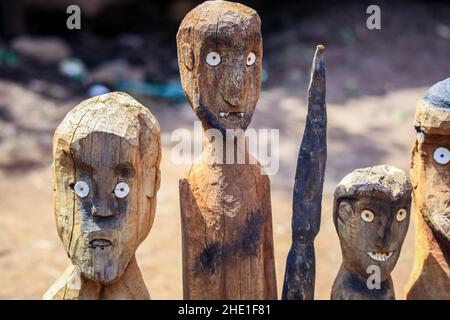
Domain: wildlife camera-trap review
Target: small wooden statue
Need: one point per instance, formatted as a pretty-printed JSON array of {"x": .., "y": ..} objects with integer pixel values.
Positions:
[
  {"x": 225, "y": 207},
  {"x": 300, "y": 273},
  {"x": 106, "y": 155},
  {"x": 371, "y": 216},
  {"x": 430, "y": 175}
]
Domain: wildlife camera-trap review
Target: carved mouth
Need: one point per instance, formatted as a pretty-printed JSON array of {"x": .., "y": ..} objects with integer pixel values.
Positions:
[
  {"x": 100, "y": 243},
  {"x": 446, "y": 217},
  {"x": 231, "y": 116},
  {"x": 380, "y": 256}
]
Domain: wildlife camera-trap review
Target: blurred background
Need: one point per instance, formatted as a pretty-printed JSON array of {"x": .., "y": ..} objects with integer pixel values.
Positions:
[{"x": 374, "y": 79}]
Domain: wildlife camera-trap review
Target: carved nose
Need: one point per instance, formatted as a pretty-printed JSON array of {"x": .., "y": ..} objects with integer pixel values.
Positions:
[
  {"x": 384, "y": 233},
  {"x": 233, "y": 92},
  {"x": 100, "y": 212}
]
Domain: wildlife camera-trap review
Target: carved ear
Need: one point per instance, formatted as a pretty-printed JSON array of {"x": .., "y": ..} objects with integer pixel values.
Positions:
[
  {"x": 64, "y": 159},
  {"x": 344, "y": 214},
  {"x": 187, "y": 56}
]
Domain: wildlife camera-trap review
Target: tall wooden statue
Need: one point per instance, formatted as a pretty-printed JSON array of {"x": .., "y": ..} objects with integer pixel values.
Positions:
[
  {"x": 307, "y": 204},
  {"x": 106, "y": 155},
  {"x": 225, "y": 207},
  {"x": 430, "y": 175},
  {"x": 371, "y": 215}
]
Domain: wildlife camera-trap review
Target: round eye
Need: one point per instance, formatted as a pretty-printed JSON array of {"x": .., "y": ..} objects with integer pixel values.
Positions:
[
  {"x": 81, "y": 189},
  {"x": 213, "y": 58},
  {"x": 401, "y": 215},
  {"x": 442, "y": 155},
  {"x": 251, "y": 58},
  {"x": 367, "y": 215},
  {"x": 121, "y": 190}
]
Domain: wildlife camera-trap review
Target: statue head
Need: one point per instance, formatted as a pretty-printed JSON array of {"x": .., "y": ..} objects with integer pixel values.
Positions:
[
  {"x": 371, "y": 215},
  {"x": 430, "y": 169},
  {"x": 106, "y": 155},
  {"x": 220, "y": 59}
]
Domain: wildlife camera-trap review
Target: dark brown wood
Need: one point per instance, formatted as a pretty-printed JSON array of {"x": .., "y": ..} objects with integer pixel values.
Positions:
[
  {"x": 430, "y": 174},
  {"x": 106, "y": 155},
  {"x": 371, "y": 215},
  {"x": 307, "y": 201},
  {"x": 225, "y": 207}
]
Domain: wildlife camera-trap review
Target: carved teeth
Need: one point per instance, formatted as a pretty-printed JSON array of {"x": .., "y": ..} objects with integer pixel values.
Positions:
[
  {"x": 100, "y": 243},
  {"x": 226, "y": 114},
  {"x": 380, "y": 256}
]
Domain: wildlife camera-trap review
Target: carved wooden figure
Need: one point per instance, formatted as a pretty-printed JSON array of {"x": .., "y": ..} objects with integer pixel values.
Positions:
[
  {"x": 106, "y": 155},
  {"x": 225, "y": 207},
  {"x": 430, "y": 175},
  {"x": 371, "y": 215},
  {"x": 307, "y": 203}
]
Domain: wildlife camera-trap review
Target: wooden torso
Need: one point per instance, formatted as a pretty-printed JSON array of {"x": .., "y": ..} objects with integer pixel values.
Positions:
[{"x": 227, "y": 233}]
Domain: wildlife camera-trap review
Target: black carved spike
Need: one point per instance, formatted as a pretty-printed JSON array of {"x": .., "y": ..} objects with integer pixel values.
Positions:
[{"x": 307, "y": 202}]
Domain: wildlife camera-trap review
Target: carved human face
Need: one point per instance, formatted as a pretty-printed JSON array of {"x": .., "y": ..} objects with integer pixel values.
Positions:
[
  {"x": 221, "y": 72},
  {"x": 371, "y": 233},
  {"x": 104, "y": 203},
  {"x": 430, "y": 176}
]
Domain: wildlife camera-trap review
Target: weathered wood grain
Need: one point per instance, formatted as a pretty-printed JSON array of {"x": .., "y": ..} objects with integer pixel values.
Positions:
[
  {"x": 371, "y": 215},
  {"x": 307, "y": 201},
  {"x": 430, "y": 277},
  {"x": 226, "y": 214},
  {"x": 105, "y": 143}
]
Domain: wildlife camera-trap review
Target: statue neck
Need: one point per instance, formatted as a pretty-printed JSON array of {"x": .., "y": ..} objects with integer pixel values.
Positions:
[{"x": 225, "y": 150}]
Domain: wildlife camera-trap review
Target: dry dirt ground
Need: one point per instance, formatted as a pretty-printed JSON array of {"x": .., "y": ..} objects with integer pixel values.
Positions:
[{"x": 32, "y": 257}]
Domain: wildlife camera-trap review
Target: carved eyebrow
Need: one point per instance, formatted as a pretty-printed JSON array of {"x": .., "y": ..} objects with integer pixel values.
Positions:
[
  {"x": 83, "y": 166},
  {"x": 125, "y": 169},
  {"x": 230, "y": 41},
  {"x": 224, "y": 39},
  {"x": 436, "y": 139}
]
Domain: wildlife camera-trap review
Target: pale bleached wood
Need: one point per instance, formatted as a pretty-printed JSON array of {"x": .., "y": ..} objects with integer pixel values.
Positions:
[
  {"x": 73, "y": 286},
  {"x": 384, "y": 190},
  {"x": 430, "y": 277},
  {"x": 225, "y": 208},
  {"x": 103, "y": 141}
]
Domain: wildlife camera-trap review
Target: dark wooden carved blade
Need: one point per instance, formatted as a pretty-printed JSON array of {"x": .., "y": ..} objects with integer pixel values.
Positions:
[{"x": 307, "y": 202}]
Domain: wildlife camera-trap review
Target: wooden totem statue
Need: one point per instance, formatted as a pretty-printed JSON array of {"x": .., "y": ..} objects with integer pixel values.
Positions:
[
  {"x": 430, "y": 175},
  {"x": 371, "y": 215},
  {"x": 106, "y": 155},
  {"x": 300, "y": 273},
  {"x": 225, "y": 207}
]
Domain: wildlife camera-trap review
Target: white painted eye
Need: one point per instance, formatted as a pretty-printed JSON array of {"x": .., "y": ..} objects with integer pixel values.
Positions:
[
  {"x": 251, "y": 58},
  {"x": 121, "y": 190},
  {"x": 442, "y": 155},
  {"x": 81, "y": 189},
  {"x": 367, "y": 215},
  {"x": 213, "y": 58},
  {"x": 401, "y": 215}
]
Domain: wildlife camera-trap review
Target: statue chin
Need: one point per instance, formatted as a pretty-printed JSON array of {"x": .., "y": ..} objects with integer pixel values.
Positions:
[
  {"x": 440, "y": 225},
  {"x": 437, "y": 217},
  {"x": 103, "y": 269},
  {"x": 105, "y": 275}
]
